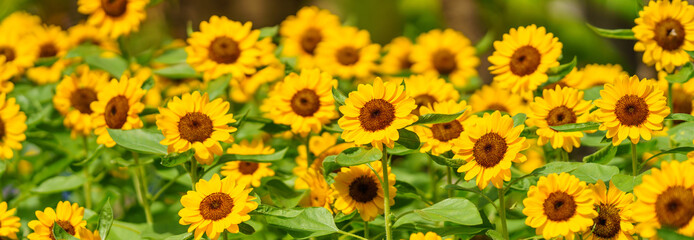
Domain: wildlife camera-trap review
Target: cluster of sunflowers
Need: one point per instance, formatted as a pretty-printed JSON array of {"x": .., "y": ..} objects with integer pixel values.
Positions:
[{"x": 260, "y": 122}]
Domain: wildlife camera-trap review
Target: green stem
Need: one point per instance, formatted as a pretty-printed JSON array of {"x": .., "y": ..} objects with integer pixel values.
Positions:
[
  {"x": 88, "y": 183},
  {"x": 670, "y": 123},
  {"x": 432, "y": 179},
  {"x": 450, "y": 181},
  {"x": 502, "y": 214},
  {"x": 309, "y": 157},
  {"x": 564, "y": 155},
  {"x": 634, "y": 161},
  {"x": 366, "y": 229},
  {"x": 141, "y": 189},
  {"x": 225, "y": 235},
  {"x": 352, "y": 235},
  {"x": 166, "y": 186},
  {"x": 193, "y": 171},
  {"x": 386, "y": 196}
]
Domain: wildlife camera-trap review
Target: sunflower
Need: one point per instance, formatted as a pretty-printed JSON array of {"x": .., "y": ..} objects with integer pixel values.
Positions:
[
  {"x": 68, "y": 217},
  {"x": 249, "y": 172},
  {"x": 117, "y": 107},
  {"x": 445, "y": 53},
  {"x": 358, "y": 187},
  {"x": 20, "y": 23},
  {"x": 347, "y": 52},
  {"x": 494, "y": 98},
  {"x": 320, "y": 193},
  {"x": 320, "y": 146},
  {"x": 192, "y": 121},
  {"x": 614, "y": 207},
  {"x": 9, "y": 223},
  {"x": 85, "y": 234},
  {"x": 216, "y": 205},
  {"x": 74, "y": 96},
  {"x": 665, "y": 199},
  {"x": 631, "y": 108},
  {"x": 83, "y": 34},
  {"x": 520, "y": 62},
  {"x": 427, "y": 90},
  {"x": 560, "y": 205},
  {"x": 305, "y": 101},
  {"x": 243, "y": 87},
  {"x": 373, "y": 114},
  {"x": 301, "y": 34},
  {"x": 427, "y": 236},
  {"x": 439, "y": 138},
  {"x": 397, "y": 58},
  {"x": 114, "y": 17},
  {"x": 682, "y": 94},
  {"x": 593, "y": 75},
  {"x": 53, "y": 43},
  {"x": 665, "y": 32},
  {"x": 17, "y": 53},
  {"x": 557, "y": 107},
  {"x": 489, "y": 146},
  {"x": 223, "y": 46},
  {"x": 12, "y": 127}
]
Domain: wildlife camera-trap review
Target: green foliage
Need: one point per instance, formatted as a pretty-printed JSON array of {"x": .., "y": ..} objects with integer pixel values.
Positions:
[
  {"x": 139, "y": 140},
  {"x": 433, "y": 118},
  {"x": 577, "y": 127},
  {"x": 308, "y": 222},
  {"x": 613, "y": 33}
]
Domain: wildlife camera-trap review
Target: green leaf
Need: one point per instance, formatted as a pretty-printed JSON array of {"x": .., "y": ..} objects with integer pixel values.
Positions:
[
  {"x": 60, "y": 183},
  {"x": 105, "y": 219},
  {"x": 683, "y": 75},
  {"x": 357, "y": 156},
  {"x": 408, "y": 139},
  {"x": 311, "y": 222},
  {"x": 282, "y": 195},
  {"x": 278, "y": 155},
  {"x": 139, "y": 140},
  {"x": 433, "y": 118},
  {"x": 46, "y": 61},
  {"x": 269, "y": 31},
  {"x": 181, "y": 70},
  {"x": 175, "y": 159},
  {"x": 592, "y": 172},
  {"x": 84, "y": 50},
  {"x": 682, "y": 133},
  {"x": 330, "y": 165},
  {"x": 558, "y": 73},
  {"x": 172, "y": 56},
  {"x": 529, "y": 132},
  {"x": 149, "y": 111},
  {"x": 3, "y": 166},
  {"x": 613, "y": 33},
  {"x": 442, "y": 211},
  {"x": 149, "y": 83},
  {"x": 448, "y": 162},
  {"x": 669, "y": 233},
  {"x": 494, "y": 235},
  {"x": 557, "y": 167},
  {"x": 113, "y": 65},
  {"x": 682, "y": 150},
  {"x": 604, "y": 155},
  {"x": 339, "y": 97},
  {"x": 218, "y": 86},
  {"x": 626, "y": 183},
  {"x": 519, "y": 119},
  {"x": 91, "y": 157},
  {"x": 60, "y": 233},
  {"x": 577, "y": 127},
  {"x": 245, "y": 228},
  {"x": 183, "y": 236},
  {"x": 484, "y": 44},
  {"x": 407, "y": 190},
  {"x": 681, "y": 117}
]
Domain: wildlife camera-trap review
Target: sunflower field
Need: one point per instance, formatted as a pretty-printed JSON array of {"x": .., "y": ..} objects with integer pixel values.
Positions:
[{"x": 393, "y": 119}]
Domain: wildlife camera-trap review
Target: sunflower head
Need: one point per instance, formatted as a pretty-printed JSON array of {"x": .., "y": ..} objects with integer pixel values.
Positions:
[
  {"x": 68, "y": 216},
  {"x": 358, "y": 188},
  {"x": 83, "y": 33},
  {"x": 301, "y": 33},
  {"x": 114, "y": 17},
  {"x": 347, "y": 52},
  {"x": 439, "y": 138},
  {"x": 248, "y": 172},
  {"x": 593, "y": 75},
  {"x": 397, "y": 57},
  {"x": 9, "y": 223},
  {"x": 321, "y": 147},
  {"x": 423, "y": 236},
  {"x": 12, "y": 127},
  {"x": 74, "y": 96},
  {"x": 557, "y": 107},
  {"x": 495, "y": 98},
  {"x": 427, "y": 90},
  {"x": 117, "y": 107},
  {"x": 664, "y": 32},
  {"x": 17, "y": 53},
  {"x": 85, "y": 234},
  {"x": 445, "y": 53},
  {"x": 614, "y": 207},
  {"x": 373, "y": 114},
  {"x": 320, "y": 193}
]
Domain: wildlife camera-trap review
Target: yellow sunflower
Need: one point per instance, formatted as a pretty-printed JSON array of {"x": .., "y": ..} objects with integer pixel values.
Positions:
[
  {"x": 427, "y": 236},
  {"x": 665, "y": 199},
  {"x": 20, "y": 23},
  {"x": 631, "y": 108},
  {"x": 69, "y": 217},
  {"x": 489, "y": 146},
  {"x": 114, "y": 17},
  {"x": 52, "y": 42},
  {"x": 665, "y": 31},
  {"x": 357, "y": 187},
  {"x": 216, "y": 205},
  {"x": 83, "y": 33},
  {"x": 557, "y": 107},
  {"x": 74, "y": 96},
  {"x": 494, "y": 98},
  {"x": 373, "y": 114},
  {"x": 223, "y": 46},
  {"x": 614, "y": 220},
  {"x": 85, "y": 234},
  {"x": 117, "y": 107},
  {"x": 445, "y": 53},
  {"x": 9, "y": 223},
  {"x": 594, "y": 75},
  {"x": 301, "y": 34},
  {"x": 17, "y": 53},
  {"x": 439, "y": 138},
  {"x": 321, "y": 147},
  {"x": 243, "y": 87},
  {"x": 520, "y": 62},
  {"x": 347, "y": 52},
  {"x": 427, "y": 90},
  {"x": 305, "y": 101},
  {"x": 248, "y": 172},
  {"x": 560, "y": 205},
  {"x": 320, "y": 193},
  {"x": 397, "y": 58},
  {"x": 12, "y": 127},
  {"x": 682, "y": 94},
  {"x": 192, "y": 121}
]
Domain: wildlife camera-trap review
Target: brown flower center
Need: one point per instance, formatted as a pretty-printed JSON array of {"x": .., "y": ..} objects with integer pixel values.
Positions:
[
  {"x": 348, "y": 55},
  {"x": 525, "y": 61},
  {"x": 560, "y": 115},
  {"x": 195, "y": 127},
  {"x": 631, "y": 110},
  {"x": 310, "y": 40},
  {"x": 681, "y": 102},
  {"x": 405, "y": 62},
  {"x": 444, "y": 61},
  {"x": 305, "y": 102},
  {"x": 247, "y": 168},
  {"x": 2, "y": 131},
  {"x": 363, "y": 189},
  {"x": 224, "y": 50},
  {"x": 8, "y": 53},
  {"x": 559, "y": 206},
  {"x": 216, "y": 206},
  {"x": 675, "y": 207},
  {"x": 48, "y": 50},
  {"x": 422, "y": 100},
  {"x": 82, "y": 98},
  {"x": 447, "y": 131},
  {"x": 607, "y": 224},
  {"x": 376, "y": 114},
  {"x": 116, "y": 112},
  {"x": 669, "y": 34},
  {"x": 114, "y": 8},
  {"x": 489, "y": 150},
  {"x": 65, "y": 225},
  {"x": 497, "y": 107}
]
